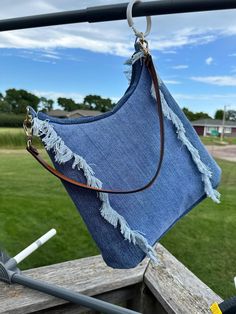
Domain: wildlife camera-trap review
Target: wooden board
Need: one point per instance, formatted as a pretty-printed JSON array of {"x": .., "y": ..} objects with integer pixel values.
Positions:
[
  {"x": 89, "y": 275},
  {"x": 177, "y": 289}
]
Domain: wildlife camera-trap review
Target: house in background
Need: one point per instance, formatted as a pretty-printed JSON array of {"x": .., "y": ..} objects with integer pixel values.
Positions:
[
  {"x": 83, "y": 113},
  {"x": 57, "y": 113},
  {"x": 73, "y": 114},
  {"x": 207, "y": 127}
]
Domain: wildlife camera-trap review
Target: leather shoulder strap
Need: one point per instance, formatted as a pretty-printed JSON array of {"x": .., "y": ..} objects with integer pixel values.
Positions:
[{"x": 33, "y": 151}]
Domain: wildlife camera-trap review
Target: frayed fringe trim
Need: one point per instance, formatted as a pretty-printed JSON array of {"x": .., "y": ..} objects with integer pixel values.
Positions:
[
  {"x": 180, "y": 130},
  {"x": 130, "y": 62},
  {"x": 62, "y": 155}
]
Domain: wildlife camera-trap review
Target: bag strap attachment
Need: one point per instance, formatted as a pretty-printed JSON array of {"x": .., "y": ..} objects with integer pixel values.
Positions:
[{"x": 34, "y": 152}]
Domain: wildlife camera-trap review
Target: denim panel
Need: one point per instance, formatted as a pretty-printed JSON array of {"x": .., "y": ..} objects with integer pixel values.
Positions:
[
  {"x": 193, "y": 136},
  {"x": 123, "y": 149}
]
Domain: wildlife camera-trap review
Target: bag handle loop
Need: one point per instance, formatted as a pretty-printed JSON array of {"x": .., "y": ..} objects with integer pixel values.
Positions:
[
  {"x": 33, "y": 151},
  {"x": 131, "y": 22}
]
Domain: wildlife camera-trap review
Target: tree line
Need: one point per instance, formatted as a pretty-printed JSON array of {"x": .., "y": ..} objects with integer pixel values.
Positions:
[
  {"x": 16, "y": 100},
  {"x": 230, "y": 115}
]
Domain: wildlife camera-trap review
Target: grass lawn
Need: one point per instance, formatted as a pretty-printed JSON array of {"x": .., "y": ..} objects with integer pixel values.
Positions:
[
  {"x": 13, "y": 138},
  {"x": 212, "y": 140},
  {"x": 11, "y": 130},
  {"x": 32, "y": 201}
]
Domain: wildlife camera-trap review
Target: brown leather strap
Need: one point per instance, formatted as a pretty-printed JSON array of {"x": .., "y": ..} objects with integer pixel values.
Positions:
[{"x": 33, "y": 151}]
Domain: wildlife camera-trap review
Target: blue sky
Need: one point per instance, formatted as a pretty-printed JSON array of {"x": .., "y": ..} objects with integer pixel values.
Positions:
[{"x": 195, "y": 55}]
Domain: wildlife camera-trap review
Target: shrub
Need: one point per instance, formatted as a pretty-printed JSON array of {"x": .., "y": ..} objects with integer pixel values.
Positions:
[
  {"x": 12, "y": 140},
  {"x": 11, "y": 120}
]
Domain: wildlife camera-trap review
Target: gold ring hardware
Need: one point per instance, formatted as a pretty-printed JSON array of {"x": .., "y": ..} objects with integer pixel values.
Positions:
[
  {"x": 27, "y": 125},
  {"x": 144, "y": 45}
]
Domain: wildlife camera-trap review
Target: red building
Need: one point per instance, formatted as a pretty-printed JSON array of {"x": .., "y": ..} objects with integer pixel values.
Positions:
[{"x": 206, "y": 127}]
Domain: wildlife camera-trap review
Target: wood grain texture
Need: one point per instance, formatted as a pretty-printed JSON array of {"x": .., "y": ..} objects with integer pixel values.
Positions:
[
  {"x": 177, "y": 289},
  {"x": 119, "y": 297},
  {"x": 89, "y": 276}
]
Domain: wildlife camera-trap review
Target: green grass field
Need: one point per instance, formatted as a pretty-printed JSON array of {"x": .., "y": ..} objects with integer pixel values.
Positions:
[
  {"x": 32, "y": 201},
  {"x": 11, "y": 130},
  {"x": 13, "y": 138},
  {"x": 211, "y": 140}
]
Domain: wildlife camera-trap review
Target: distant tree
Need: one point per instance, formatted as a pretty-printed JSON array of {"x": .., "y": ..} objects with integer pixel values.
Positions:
[
  {"x": 107, "y": 105},
  {"x": 195, "y": 115},
  {"x": 231, "y": 115},
  {"x": 5, "y": 106},
  {"x": 20, "y": 99},
  {"x": 46, "y": 104},
  {"x": 68, "y": 104},
  {"x": 201, "y": 115},
  {"x": 219, "y": 114},
  {"x": 16, "y": 101},
  {"x": 95, "y": 102},
  {"x": 189, "y": 114},
  {"x": 92, "y": 101}
]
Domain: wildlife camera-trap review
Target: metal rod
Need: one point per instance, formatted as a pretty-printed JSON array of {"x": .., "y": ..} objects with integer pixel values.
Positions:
[
  {"x": 115, "y": 12},
  {"x": 14, "y": 261},
  {"x": 34, "y": 246},
  {"x": 77, "y": 298}
]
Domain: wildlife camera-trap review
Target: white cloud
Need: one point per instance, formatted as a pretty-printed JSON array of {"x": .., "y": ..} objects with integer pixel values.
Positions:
[
  {"x": 205, "y": 102},
  {"x": 216, "y": 80},
  {"x": 233, "y": 69},
  {"x": 169, "y": 51},
  {"x": 187, "y": 36},
  {"x": 180, "y": 67},
  {"x": 174, "y": 82},
  {"x": 51, "y": 56},
  {"x": 77, "y": 97},
  {"x": 209, "y": 60},
  {"x": 41, "y": 55},
  {"x": 206, "y": 97},
  {"x": 54, "y": 95},
  {"x": 232, "y": 55},
  {"x": 63, "y": 39},
  {"x": 113, "y": 37}
]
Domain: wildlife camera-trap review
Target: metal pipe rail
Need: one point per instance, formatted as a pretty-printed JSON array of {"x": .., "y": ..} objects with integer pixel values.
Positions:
[{"x": 115, "y": 12}]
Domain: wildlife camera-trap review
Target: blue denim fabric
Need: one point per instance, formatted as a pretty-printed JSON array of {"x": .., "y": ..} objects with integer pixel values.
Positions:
[{"x": 122, "y": 146}]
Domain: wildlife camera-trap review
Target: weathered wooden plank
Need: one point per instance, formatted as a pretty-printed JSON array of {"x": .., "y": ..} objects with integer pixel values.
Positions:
[
  {"x": 89, "y": 275},
  {"x": 176, "y": 287},
  {"x": 119, "y": 297}
]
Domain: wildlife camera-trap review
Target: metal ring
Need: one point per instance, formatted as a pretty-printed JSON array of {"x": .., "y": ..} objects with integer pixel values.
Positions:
[{"x": 131, "y": 23}]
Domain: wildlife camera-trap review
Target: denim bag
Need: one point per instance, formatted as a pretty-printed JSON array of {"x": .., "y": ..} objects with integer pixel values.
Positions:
[{"x": 119, "y": 150}]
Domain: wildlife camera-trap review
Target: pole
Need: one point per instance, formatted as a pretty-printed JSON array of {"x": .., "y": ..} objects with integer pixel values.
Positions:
[
  {"x": 223, "y": 125},
  {"x": 10, "y": 274},
  {"x": 115, "y": 12},
  {"x": 76, "y": 298},
  {"x": 14, "y": 261}
]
